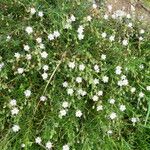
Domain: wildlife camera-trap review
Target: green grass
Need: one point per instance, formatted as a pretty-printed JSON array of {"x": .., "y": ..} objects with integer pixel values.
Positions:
[{"x": 42, "y": 119}]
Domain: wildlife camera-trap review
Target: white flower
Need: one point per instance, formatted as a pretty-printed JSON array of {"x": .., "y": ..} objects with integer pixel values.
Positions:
[
  {"x": 49, "y": 145},
  {"x": 141, "y": 38},
  {"x": 99, "y": 107},
  {"x": 62, "y": 112},
  {"x": 95, "y": 98},
  {"x": 134, "y": 120},
  {"x": 78, "y": 113},
  {"x": 141, "y": 94},
  {"x": 23, "y": 145},
  {"x": 27, "y": 93},
  {"x": 112, "y": 38},
  {"x": 130, "y": 25},
  {"x": 13, "y": 102},
  {"x": 43, "y": 98},
  {"x": 118, "y": 67},
  {"x": 44, "y": 54},
  {"x": 15, "y": 128},
  {"x": 125, "y": 82},
  {"x": 105, "y": 16},
  {"x": 56, "y": 34},
  {"x": 80, "y": 29},
  {"x": 128, "y": 16},
  {"x": 109, "y": 132},
  {"x": 96, "y": 68},
  {"x": 96, "y": 81},
  {"x": 71, "y": 65},
  {"x": 17, "y": 55},
  {"x": 8, "y": 38},
  {"x": 45, "y": 67},
  {"x": 20, "y": 70},
  {"x": 111, "y": 101},
  {"x": 118, "y": 71},
  {"x": 119, "y": 14},
  {"x": 125, "y": 42},
  {"x": 142, "y": 31},
  {"x": 32, "y": 11},
  {"x": 120, "y": 83},
  {"x": 67, "y": 26},
  {"x": 109, "y": 8},
  {"x": 65, "y": 104},
  {"x": 40, "y": 14},
  {"x": 28, "y": 56},
  {"x": 39, "y": 40},
  {"x": 65, "y": 84},
  {"x": 38, "y": 140},
  {"x": 89, "y": 18},
  {"x": 148, "y": 88},
  {"x": 78, "y": 79},
  {"x": 103, "y": 57},
  {"x": 70, "y": 91},
  {"x": 104, "y": 34},
  {"x": 26, "y": 47},
  {"x": 42, "y": 46},
  {"x": 105, "y": 79},
  {"x": 94, "y": 6},
  {"x": 122, "y": 107},
  {"x": 29, "y": 30},
  {"x": 123, "y": 77},
  {"x": 81, "y": 67},
  {"x": 113, "y": 116},
  {"x": 100, "y": 93},
  {"x": 51, "y": 37},
  {"x": 141, "y": 66},
  {"x": 44, "y": 76},
  {"x": 1, "y": 66},
  {"x": 83, "y": 93},
  {"x": 72, "y": 18},
  {"x": 15, "y": 111},
  {"x": 65, "y": 147},
  {"x": 80, "y": 36},
  {"x": 133, "y": 89}
]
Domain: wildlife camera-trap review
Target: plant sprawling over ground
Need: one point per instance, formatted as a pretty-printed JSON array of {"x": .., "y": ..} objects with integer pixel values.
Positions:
[{"x": 72, "y": 77}]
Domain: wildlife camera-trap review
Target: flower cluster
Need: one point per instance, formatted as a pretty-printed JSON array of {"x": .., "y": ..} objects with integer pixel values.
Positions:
[{"x": 67, "y": 71}]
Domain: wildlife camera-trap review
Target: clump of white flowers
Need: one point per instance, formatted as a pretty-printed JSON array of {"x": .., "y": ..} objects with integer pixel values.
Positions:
[
  {"x": 53, "y": 35},
  {"x": 123, "y": 81}
]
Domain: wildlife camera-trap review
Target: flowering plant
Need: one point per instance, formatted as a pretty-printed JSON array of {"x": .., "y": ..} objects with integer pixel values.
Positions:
[{"x": 73, "y": 77}]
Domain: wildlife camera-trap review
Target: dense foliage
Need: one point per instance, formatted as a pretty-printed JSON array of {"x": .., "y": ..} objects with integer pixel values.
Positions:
[{"x": 72, "y": 77}]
